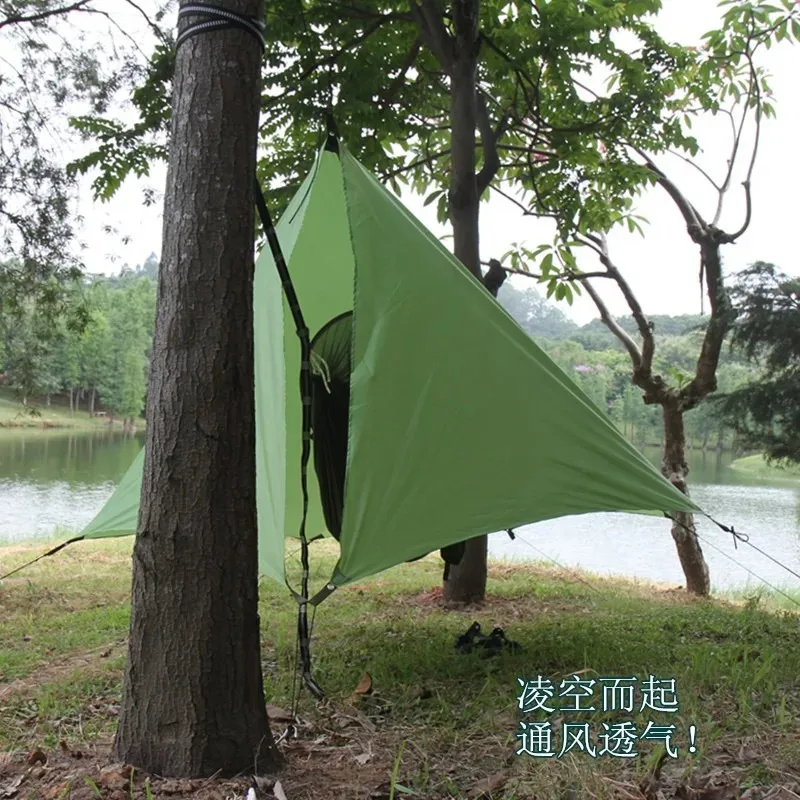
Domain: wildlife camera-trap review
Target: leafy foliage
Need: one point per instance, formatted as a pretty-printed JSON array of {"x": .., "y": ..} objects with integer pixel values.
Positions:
[
  {"x": 53, "y": 65},
  {"x": 766, "y": 412},
  {"x": 104, "y": 357}
]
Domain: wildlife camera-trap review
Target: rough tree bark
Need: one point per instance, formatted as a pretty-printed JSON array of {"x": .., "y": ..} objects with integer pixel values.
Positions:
[
  {"x": 193, "y": 701},
  {"x": 676, "y": 470},
  {"x": 466, "y": 580}
]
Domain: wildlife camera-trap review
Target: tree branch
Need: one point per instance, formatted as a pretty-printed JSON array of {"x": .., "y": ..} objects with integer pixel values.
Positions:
[
  {"x": 654, "y": 386},
  {"x": 691, "y": 162},
  {"x": 489, "y": 137},
  {"x": 428, "y": 17},
  {"x": 614, "y": 326},
  {"x": 428, "y": 160},
  {"x": 736, "y": 142},
  {"x": 746, "y": 183},
  {"x": 42, "y": 15},
  {"x": 397, "y": 82},
  {"x": 694, "y": 222}
]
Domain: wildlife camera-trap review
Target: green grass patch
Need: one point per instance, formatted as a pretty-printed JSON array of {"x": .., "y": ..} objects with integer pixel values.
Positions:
[
  {"x": 36, "y": 414},
  {"x": 446, "y": 719},
  {"x": 757, "y": 466}
]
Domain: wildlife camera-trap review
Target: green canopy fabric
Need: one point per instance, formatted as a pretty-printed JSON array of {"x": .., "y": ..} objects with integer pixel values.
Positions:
[{"x": 457, "y": 423}]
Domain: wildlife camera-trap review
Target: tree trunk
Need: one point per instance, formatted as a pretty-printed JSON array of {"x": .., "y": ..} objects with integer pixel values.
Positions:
[
  {"x": 92, "y": 397},
  {"x": 675, "y": 469},
  {"x": 193, "y": 699},
  {"x": 466, "y": 581},
  {"x": 71, "y": 400},
  {"x": 47, "y": 400}
]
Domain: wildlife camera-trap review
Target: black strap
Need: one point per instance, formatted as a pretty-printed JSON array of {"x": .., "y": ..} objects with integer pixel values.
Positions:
[
  {"x": 52, "y": 552},
  {"x": 217, "y": 18},
  {"x": 305, "y": 393}
]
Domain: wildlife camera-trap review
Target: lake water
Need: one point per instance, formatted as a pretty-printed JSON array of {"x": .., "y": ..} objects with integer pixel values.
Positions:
[{"x": 54, "y": 482}]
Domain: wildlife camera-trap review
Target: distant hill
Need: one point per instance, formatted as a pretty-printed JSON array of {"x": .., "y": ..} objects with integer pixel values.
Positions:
[{"x": 543, "y": 319}]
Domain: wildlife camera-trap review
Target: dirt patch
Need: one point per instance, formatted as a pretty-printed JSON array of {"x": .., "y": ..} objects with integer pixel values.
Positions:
[{"x": 349, "y": 751}]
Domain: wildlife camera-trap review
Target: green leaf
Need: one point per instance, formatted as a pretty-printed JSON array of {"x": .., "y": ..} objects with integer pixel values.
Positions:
[{"x": 432, "y": 196}]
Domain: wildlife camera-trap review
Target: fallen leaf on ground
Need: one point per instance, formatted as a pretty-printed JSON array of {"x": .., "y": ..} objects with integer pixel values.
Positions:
[
  {"x": 59, "y": 790},
  {"x": 277, "y": 714},
  {"x": 485, "y": 787},
  {"x": 364, "y": 685},
  {"x": 277, "y": 790},
  {"x": 114, "y": 777},
  {"x": 363, "y": 758}
]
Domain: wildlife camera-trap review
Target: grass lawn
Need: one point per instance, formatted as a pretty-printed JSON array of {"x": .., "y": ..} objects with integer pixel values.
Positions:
[
  {"x": 443, "y": 723},
  {"x": 757, "y": 467},
  {"x": 37, "y": 415}
]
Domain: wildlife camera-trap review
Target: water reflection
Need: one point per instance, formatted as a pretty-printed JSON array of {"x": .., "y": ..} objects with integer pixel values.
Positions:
[
  {"x": 641, "y": 546},
  {"x": 57, "y": 480},
  {"x": 51, "y": 480}
]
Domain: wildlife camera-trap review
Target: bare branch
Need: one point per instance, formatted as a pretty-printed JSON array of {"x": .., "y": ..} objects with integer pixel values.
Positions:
[
  {"x": 692, "y": 163},
  {"x": 746, "y": 183},
  {"x": 613, "y": 325},
  {"x": 42, "y": 15},
  {"x": 521, "y": 206},
  {"x": 735, "y": 151},
  {"x": 153, "y": 26},
  {"x": 694, "y": 222}
]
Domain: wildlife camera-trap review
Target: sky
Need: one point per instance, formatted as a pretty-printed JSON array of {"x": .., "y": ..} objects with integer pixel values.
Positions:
[{"x": 662, "y": 267}]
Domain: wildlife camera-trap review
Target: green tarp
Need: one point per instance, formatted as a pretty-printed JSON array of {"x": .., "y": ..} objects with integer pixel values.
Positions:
[{"x": 459, "y": 424}]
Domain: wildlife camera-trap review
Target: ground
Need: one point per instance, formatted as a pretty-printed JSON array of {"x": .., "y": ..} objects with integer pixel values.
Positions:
[
  {"x": 36, "y": 414},
  {"x": 406, "y": 714},
  {"x": 757, "y": 466}
]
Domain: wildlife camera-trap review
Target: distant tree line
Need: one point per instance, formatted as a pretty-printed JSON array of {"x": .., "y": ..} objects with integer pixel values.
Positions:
[
  {"x": 596, "y": 360},
  {"x": 93, "y": 353},
  {"x": 100, "y": 365}
]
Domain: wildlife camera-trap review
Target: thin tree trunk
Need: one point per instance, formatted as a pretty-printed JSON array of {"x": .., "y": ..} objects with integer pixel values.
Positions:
[
  {"x": 676, "y": 470},
  {"x": 193, "y": 700},
  {"x": 92, "y": 397},
  {"x": 466, "y": 582},
  {"x": 71, "y": 400}
]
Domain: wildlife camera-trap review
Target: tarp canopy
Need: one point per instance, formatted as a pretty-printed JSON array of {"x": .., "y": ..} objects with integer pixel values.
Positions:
[{"x": 457, "y": 423}]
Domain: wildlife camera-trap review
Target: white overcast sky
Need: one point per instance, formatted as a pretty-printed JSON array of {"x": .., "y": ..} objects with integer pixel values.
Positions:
[{"x": 662, "y": 267}]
